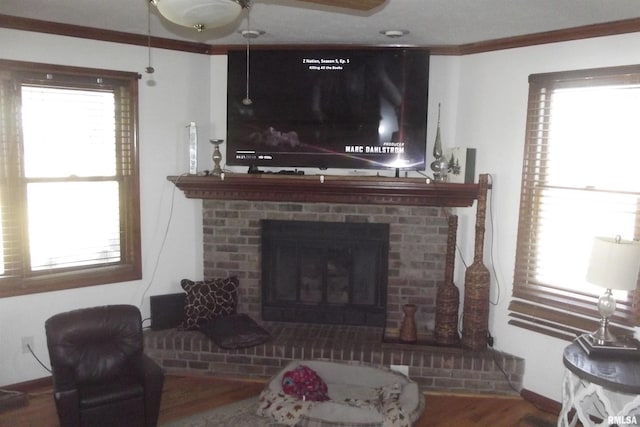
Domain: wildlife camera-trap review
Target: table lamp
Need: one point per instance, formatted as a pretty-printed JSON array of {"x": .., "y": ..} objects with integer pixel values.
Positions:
[{"x": 614, "y": 264}]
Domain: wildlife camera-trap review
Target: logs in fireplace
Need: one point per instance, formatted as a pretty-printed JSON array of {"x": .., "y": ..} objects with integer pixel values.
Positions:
[{"x": 324, "y": 272}]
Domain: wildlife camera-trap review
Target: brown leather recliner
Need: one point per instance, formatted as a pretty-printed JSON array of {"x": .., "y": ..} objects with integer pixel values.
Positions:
[{"x": 101, "y": 376}]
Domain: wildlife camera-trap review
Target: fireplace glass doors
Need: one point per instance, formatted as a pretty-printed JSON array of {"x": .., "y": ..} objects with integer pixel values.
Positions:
[{"x": 324, "y": 272}]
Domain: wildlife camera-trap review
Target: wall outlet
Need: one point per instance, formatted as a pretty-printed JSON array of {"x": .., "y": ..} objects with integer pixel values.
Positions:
[
  {"x": 403, "y": 369},
  {"x": 26, "y": 343}
]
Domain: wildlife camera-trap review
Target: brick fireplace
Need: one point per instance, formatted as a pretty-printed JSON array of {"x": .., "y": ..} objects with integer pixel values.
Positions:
[
  {"x": 417, "y": 217},
  {"x": 417, "y": 248}
]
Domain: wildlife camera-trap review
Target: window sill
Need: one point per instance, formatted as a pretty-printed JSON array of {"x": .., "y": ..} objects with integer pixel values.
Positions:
[{"x": 10, "y": 287}]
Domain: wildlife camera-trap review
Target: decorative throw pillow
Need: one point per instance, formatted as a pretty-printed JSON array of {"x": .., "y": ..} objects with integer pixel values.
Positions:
[
  {"x": 235, "y": 331},
  {"x": 304, "y": 383},
  {"x": 207, "y": 300}
]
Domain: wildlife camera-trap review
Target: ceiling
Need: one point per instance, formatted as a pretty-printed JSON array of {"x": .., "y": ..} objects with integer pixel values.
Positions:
[{"x": 429, "y": 22}]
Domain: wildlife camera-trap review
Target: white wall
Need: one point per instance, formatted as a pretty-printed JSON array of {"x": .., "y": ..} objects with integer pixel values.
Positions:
[
  {"x": 179, "y": 96},
  {"x": 491, "y": 114},
  {"x": 483, "y": 100}
]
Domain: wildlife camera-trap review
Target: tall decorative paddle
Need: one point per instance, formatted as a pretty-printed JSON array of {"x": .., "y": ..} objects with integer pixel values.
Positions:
[
  {"x": 448, "y": 295},
  {"x": 475, "y": 319}
]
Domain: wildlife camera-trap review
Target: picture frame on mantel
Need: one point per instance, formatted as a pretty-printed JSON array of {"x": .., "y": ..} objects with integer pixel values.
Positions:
[{"x": 462, "y": 165}]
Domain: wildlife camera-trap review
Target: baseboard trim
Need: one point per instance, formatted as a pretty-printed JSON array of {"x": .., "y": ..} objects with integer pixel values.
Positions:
[
  {"x": 475, "y": 395},
  {"x": 31, "y": 385},
  {"x": 541, "y": 402}
]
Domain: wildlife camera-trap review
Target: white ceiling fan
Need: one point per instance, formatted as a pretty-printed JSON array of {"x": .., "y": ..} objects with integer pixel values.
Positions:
[{"x": 205, "y": 14}]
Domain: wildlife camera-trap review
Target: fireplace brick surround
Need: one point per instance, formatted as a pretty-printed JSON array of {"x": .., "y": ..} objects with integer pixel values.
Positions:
[{"x": 417, "y": 248}]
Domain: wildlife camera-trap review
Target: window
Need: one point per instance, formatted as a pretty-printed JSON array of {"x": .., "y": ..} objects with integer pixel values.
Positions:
[
  {"x": 580, "y": 179},
  {"x": 69, "y": 194}
]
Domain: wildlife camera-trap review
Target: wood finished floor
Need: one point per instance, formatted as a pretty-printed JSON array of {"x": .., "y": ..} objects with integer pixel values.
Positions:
[{"x": 187, "y": 395}]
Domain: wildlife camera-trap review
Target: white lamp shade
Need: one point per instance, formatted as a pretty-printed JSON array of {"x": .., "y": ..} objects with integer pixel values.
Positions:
[
  {"x": 194, "y": 13},
  {"x": 614, "y": 264}
]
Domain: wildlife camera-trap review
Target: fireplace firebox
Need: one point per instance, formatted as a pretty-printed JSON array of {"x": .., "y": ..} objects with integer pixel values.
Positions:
[{"x": 324, "y": 272}]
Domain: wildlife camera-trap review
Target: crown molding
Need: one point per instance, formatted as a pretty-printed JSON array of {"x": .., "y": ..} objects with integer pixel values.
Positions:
[
  {"x": 577, "y": 33},
  {"x": 34, "y": 25}
]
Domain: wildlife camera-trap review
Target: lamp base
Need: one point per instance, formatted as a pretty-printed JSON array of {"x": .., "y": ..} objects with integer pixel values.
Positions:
[{"x": 616, "y": 348}]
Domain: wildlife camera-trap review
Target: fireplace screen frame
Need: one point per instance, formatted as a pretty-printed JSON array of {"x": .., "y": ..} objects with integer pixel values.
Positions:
[{"x": 283, "y": 240}]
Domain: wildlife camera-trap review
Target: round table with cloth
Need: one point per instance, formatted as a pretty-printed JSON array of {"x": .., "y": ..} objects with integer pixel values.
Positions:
[{"x": 359, "y": 395}]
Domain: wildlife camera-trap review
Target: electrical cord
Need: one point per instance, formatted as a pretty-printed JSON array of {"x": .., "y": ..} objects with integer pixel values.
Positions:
[
  {"x": 11, "y": 392},
  {"x": 146, "y": 319},
  {"x": 504, "y": 373},
  {"x": 164, "y": 240},
  {"x": 461, "y": 257},
  {"x": 491, "y": 236},
  {"x": 423, "y": 174},
  {"x": 36, "y": 357}
]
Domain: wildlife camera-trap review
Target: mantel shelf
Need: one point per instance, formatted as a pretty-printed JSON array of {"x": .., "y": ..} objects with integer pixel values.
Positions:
[{"x": 327, "y": 189}]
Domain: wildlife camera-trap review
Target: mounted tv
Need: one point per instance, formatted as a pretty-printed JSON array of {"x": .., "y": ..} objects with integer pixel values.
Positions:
[{"x": 343, "y": 108}]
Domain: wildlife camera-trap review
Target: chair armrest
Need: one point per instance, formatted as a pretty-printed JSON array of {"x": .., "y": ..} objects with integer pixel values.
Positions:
[
  {"x": 68, "y": 407},
  {"x": 153, "y": 378}
]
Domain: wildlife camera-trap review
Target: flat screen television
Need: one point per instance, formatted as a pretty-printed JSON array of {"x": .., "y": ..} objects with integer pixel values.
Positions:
[{"x": 331, "y": 108}]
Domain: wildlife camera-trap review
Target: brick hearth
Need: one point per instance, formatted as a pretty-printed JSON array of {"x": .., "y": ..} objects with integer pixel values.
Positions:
[{"x": 431, "y": 367}]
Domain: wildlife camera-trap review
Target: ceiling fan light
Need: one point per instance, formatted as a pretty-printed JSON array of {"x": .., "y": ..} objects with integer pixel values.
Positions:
[
  {"x": 199, "y": 14},
  {"x": 394, "y": 33},
  {"x": 251, "y": 34}
]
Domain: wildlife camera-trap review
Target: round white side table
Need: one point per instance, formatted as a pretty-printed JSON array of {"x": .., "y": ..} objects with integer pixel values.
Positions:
[{"x": 602, "y": 388}]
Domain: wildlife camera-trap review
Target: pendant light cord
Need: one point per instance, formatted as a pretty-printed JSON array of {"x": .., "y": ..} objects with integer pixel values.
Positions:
[
  {"x": 247, "y": 35},
  {"x": 149, "y": 69},
  {"x": 248, "y": 44},
  {"x": 149, "y": 38}
]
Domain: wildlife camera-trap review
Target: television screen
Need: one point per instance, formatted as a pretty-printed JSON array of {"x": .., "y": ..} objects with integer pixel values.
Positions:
[{"x": 364, "y": 108}]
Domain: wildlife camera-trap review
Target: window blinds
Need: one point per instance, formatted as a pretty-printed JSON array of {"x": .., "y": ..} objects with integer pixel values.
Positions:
[{"x": 579, "y": 180}]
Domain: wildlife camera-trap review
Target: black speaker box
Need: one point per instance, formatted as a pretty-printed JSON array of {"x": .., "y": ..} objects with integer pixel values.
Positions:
[{"x": 167, "y": 310}]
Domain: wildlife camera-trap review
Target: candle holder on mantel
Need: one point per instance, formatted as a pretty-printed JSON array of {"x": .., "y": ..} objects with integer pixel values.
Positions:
[{"x": 217, "y": 156}]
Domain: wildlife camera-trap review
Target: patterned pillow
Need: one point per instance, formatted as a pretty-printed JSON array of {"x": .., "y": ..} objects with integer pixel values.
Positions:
[{"x": 207, "y": 300}]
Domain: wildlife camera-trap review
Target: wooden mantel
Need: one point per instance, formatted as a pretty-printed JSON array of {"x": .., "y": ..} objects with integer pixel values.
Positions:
[{"x": 328, "y": 189}]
